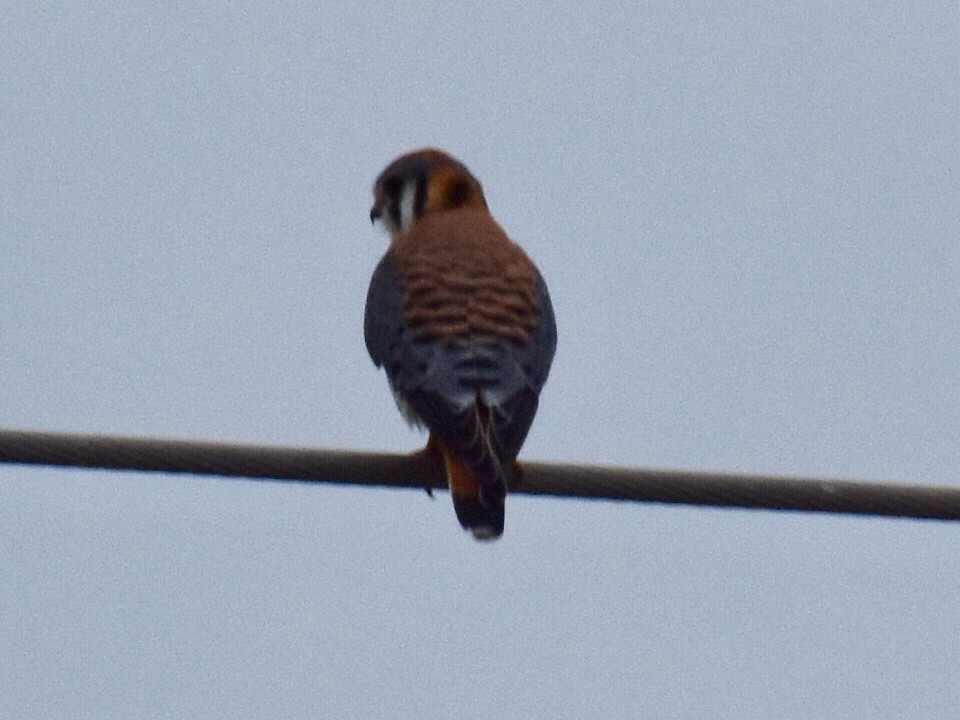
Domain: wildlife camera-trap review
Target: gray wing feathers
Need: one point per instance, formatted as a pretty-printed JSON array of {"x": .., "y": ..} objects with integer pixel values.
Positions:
[
  {"x": 407, "y": 362},
  {"x": 383, "y": 325},
  {"x": 538, "y": 354}
]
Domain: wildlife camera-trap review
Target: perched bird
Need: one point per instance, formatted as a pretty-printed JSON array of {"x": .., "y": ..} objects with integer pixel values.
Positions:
[{"x": 460, "y": 319}]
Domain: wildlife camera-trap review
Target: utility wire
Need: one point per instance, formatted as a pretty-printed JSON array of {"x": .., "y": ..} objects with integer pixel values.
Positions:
[{"x": 423, "y": 471}]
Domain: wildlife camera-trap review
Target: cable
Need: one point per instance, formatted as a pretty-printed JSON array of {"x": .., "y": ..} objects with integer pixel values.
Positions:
[{"x": 420, "y": 470}]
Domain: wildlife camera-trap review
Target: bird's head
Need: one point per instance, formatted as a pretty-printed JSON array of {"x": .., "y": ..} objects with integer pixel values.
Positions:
[{"x": 422, "y": 182}]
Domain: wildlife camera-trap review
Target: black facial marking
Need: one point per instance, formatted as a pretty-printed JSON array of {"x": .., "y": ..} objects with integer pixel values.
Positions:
[
  {"x": 393, "y": 208},
  {"x": 392, "y": 188},
  {"x": 420, "y": 197},
  {"x": 459, "y": 193},
  {"x": 393, "y": 185}
]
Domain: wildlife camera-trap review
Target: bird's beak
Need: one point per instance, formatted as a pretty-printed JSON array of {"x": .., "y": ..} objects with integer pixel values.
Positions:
[{"x": 375, "y": 213}]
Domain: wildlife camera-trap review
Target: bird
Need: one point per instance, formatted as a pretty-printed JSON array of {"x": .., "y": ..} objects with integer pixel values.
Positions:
[{"x": 461, "y": 321}]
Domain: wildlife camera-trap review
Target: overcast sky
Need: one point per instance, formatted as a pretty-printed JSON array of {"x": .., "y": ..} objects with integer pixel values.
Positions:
[{"x": 748, "y": 217}]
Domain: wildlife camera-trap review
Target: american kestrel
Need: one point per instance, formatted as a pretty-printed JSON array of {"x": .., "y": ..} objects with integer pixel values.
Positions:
[{"x": 461, "y": 320}]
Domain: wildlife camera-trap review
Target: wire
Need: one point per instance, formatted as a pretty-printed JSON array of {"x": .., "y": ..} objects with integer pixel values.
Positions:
[{"x": 424, "y": 471}]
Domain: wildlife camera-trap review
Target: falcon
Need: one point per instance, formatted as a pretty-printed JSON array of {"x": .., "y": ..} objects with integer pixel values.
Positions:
[{"x": 460, "y": 319}]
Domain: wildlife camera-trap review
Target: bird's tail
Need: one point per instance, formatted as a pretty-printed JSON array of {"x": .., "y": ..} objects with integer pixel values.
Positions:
[{"x": 483, "y": 517}]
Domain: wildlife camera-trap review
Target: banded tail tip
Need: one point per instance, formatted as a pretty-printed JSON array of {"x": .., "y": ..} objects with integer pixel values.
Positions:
[
  {"x": 486, "y": 534},
  {"x": 484, "y": 522}
]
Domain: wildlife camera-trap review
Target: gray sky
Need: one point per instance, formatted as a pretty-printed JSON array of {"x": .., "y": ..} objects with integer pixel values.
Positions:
[{"x": 748, "y": 217}]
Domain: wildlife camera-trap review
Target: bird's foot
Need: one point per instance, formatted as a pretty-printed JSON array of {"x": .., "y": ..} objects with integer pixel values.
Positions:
[{"x": 433, "y": 453}]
